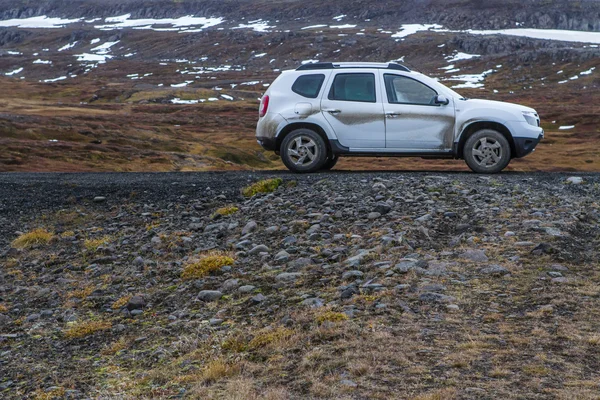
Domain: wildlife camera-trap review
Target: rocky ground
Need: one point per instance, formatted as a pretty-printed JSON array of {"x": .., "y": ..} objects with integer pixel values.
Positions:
[{"x": 336, "y": 285}]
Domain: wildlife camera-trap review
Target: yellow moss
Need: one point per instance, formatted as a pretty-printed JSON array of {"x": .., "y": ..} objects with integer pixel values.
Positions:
[
  {"x": 115, "y": 347},
  {"x": 331, "y": 316},
  {"x": 56, "y": 393},
  {"x": 236, "y": 344},
  {"x": 218, "y": 369},
  {"x": 80, "y": 293},
  {"x": 94, "y": 244},
  {"x": 270, "y": 336},
  {"x": 3, "y": 308},
  {"x": 206, "y": 264},
  {"x": 264, "y": 186},
  {"x": 120, "y": 303},
  {"x": 38, "y": 236},
  {"x": 224, "y": 211},
  {"x": 67, "y": 234},
  {"x": 83, "y": 329}
]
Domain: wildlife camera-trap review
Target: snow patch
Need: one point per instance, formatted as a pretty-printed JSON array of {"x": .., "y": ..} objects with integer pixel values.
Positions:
[
  {"x": 14, "y": 72},
  {"x": 40, "y": 61},
  {"x": 38, "y": 22},
  {"x": 459, "y": 56},
  {"x": 177, "y": 24},
  {"x": 411, "y": 29},
  {"x": 566, "y": 127},
  {"x": 68, "y": 46}
]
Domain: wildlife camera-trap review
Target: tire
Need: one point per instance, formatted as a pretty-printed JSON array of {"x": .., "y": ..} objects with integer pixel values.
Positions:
[
  {"x": 330, "y": 163},
  {"x": 299, "y": 146},
  {"x": 487, "y": 152}
]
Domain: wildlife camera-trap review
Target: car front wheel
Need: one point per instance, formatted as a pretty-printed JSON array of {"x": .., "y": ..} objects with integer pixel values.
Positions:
[
  {"x": 303, "y": 151},
  {"x": 487, "y": 152}
]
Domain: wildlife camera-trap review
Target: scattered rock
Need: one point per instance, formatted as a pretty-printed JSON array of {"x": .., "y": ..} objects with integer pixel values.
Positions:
[
  {"x": 474, "y": 256},
  {"x": 210, "y": 295},
  {"x": 136, "y": 303}
]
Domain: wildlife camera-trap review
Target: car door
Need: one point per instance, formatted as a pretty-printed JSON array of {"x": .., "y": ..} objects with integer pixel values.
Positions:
[
  {"x": 413, "y": 119},
  {"x": 352, "y": 106}
]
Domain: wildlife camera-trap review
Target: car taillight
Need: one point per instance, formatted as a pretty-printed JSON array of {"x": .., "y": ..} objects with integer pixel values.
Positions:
[{"x": 264, "y": 106}]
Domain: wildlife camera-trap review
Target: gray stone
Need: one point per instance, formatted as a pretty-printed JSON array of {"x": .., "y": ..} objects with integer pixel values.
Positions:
[
  {"x": 313, "y": 229},
  {"x": 313, "y": 302},
  {"x": 250, "y": 227},
  {"x": 138, "y": 262},
  {"x": 425, "y": 218},
  {"x": 215, "y": 321},
  {"x": 230, "y": 285},
  {"x": 494, "y": 270},
  {"x": 33, "y": 317},
  {"x": 348, "y": 383},
  {"x": 99, "y": 199},
  {"x": 475, "y": 256},
  {"x": 432, "y": 297},
  {"x": 352, "y": 274},
  {"x": 358, "y": 259},
  {"x": 282, "y": 256},
  {"x": 272, "y": 229},
  {"x": 136, "y": 312},
  {"x": 261, "y": 248},
  {"x": 288, "y": 276},
  {"x": 210, "y": 295},
  {"x": 136, "y": 303},
  {"x": 382, "y": 208},
  {"x": 555, "y": 274},
  {"x": 575, "y": 180},
  {"x": 373, "y": 215},
  {"x": 259, "y": 298},
  {"x": 299, "y": 263},
  {"x": 246, "y": 288}
]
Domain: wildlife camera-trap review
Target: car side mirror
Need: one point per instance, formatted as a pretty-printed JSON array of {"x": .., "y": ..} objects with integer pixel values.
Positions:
[{"x": 442, "y": 100}]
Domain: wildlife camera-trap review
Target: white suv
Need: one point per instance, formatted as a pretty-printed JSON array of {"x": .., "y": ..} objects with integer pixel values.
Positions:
[{"x": 313, "y": 115}]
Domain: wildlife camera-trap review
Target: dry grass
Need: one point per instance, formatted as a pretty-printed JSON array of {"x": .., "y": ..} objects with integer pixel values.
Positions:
[
  {"x": 94, "y": 244},
  {"x": 224, "y": 211},
  {"x": 270, "y": 336},
  {"x": 37, "y": 237},
  {"x": 86, "y": 328},
  {"x": 80, "y": 293},
  {"x": 331, "y": 316},
  {"x": 264, "y": 186},
  {"x": 120, "y": 303},
  {"x": 207, "y": 264},
  {"x": 121, "y": 344}
]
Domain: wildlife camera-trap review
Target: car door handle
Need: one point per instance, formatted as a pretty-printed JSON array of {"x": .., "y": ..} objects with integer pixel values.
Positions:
[
  {"x": 392, "y": 115},
  {"x": 332, "y": 111}
]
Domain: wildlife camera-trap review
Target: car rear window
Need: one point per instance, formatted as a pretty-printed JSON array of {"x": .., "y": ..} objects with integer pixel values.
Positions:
[{"x": 308, "y": 85}]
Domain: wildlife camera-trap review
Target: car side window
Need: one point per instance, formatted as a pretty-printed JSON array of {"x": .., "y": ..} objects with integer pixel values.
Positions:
[
  {"x": 308, "y": 85},
  {"x": 353, "y": 87},
  {"x": 403, "y": 90}
]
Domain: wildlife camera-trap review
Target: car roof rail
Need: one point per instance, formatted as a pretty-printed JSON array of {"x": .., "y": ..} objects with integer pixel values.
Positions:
[{"x": 329, "y": 65}]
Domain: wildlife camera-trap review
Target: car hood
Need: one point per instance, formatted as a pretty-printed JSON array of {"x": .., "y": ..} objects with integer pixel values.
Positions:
[{"x": 496, "y": 105}]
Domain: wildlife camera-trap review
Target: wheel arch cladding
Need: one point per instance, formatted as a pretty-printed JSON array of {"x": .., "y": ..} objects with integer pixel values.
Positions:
[
  {"x": 479, "y": 125},
  {"x": 303, "y": 125}
]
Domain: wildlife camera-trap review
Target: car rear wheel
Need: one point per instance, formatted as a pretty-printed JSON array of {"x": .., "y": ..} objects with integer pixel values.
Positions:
[
  {"x": 330, "y": 163},
  {"x": 303, "y": 151},
  {"x": 487, "y": 152}
]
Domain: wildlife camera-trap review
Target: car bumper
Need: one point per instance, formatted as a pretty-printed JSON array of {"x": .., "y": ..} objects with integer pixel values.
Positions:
[
  {"x": 526, "y": 145},
  {"x": 267, "y": 143}
]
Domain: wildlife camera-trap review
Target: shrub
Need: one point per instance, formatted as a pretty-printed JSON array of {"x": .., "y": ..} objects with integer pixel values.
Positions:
[
  {"x": 264, "y": 186},
  {"x": 120, "y": 303},
  {"x": 206, "y": 264},
  {"x": 218, "y": 369},
  {"x": 93, "y": 244},
  {"x": 83, "y": 329},
  {"x": 331, "y": 316},
  {"x": 38, "y": 236},
  {"x": 267, "y": 337},
  {"x": 224, "y": 211}
]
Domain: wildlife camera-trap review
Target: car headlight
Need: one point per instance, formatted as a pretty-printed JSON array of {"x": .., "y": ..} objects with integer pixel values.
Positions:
[{"x": 532, "y": 118}]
